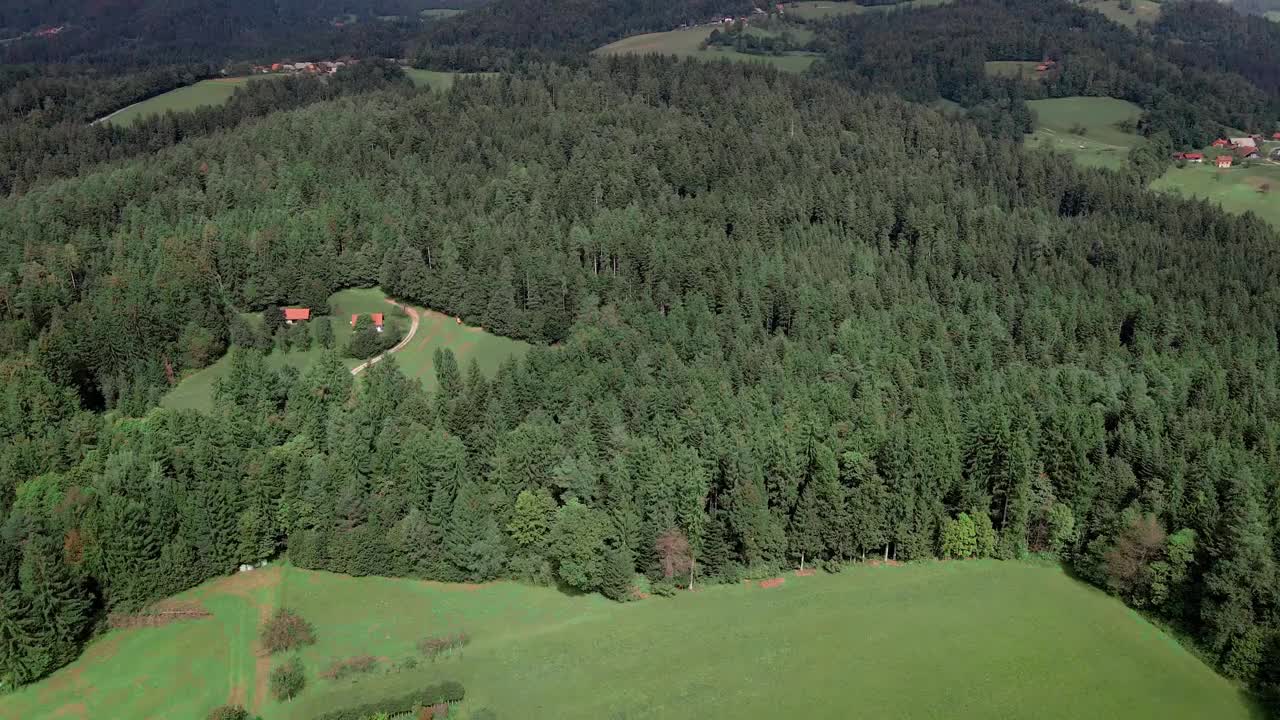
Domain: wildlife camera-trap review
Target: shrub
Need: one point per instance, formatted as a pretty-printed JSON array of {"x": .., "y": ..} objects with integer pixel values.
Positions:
[
  {"x": 664, "y": 588},
  {"x": 446, "y": 692},
  {"x": 286, "y": 630},
  {"x": 344, "y": 668},
  {"x": 228, "y": 712},
  {"x": 288, "y": 680},
  {"x": 435, "y": 646},
  {"x": 831, "y": 566}
]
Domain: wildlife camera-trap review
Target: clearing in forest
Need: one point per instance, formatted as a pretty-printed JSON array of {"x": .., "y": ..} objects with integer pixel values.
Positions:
[
  {"x": 1025, "y": 69},
  {"x": 960, "y": 640},
  {"x": 1250, "y": 186},
  {"x": 204, "y": 93},
  {"x": 1091, "y": 129},
  {"x": 822, "y": 9},
  {"x": 416, "y": 359},
  {"x": 686, "y": 42},
  {"x": 1128, "y": 14}
]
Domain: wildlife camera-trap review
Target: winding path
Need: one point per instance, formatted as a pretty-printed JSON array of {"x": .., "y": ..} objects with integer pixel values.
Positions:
[{"x": 404, "y": 342}]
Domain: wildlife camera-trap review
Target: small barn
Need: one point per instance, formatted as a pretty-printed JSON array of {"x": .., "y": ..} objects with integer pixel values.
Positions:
[
  {"x": 1224, "y": 161},
  {"x": 377, "y": 321},
  {"x": 1193, "y": 157},
  {"x": 296, "y": 314}
]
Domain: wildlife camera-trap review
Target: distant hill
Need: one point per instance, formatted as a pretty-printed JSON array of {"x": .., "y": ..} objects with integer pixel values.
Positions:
[{"x": 574, "y": 25}]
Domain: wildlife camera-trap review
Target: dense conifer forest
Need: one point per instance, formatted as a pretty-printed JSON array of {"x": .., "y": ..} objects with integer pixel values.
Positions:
[
  {"x": 783, "y": 319},
  {"x": 780, "y": 318}
]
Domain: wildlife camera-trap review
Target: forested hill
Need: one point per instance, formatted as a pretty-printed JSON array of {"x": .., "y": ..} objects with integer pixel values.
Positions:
[
  {"x": 573, "y": 25},
  {"x": 790, "y": 321},
  {"x": 145, "y": 32}
]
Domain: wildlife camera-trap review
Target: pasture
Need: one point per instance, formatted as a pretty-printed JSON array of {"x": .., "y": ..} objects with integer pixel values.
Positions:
[
  {"x": 958, "y": 640},
  {"x": 215, "y": 91},
  {"x": 1025, "y": 69},
  {"x": 1273, "y": 16},
  {"x": 1238, "y": 189},
  {"x": 1102, "y": 144},
  {"x": 1139, "y": 11},
  {"x": 195, "y": 391},
  {"x": 686, "y": 43}
]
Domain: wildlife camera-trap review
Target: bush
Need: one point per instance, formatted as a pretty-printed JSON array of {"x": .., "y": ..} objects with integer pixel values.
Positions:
[
  {"x": 434, "y": 647},
  {"x": 664, "y": 588},
  {"x": 286, "y": 630},
  {"x": 446, "y": 692},
  {"x": 831, "y": 566},
  {"x": 339, "y": 669},
  {"x": 288, "y": 680},
  {"x": 228, "y": 712}
]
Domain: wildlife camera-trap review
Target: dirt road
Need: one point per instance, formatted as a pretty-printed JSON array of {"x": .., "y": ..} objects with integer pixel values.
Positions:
[{"x": 413, "y": 329}]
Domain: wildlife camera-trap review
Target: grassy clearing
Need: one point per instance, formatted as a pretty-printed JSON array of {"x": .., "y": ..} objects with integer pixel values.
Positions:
[
  {"x": 685, "y": 43},
  {"x": 822, "y": 9},
  {"x": 1025, "y": 69},
  {"x": 204, "y": 93},
  {"x": 434, "y": 331},
  {"x": 1103, "y": 144},
  {"x": 440, "y": 12},
  {"x": 941, "y": 640},
  {"x": 1273, "y": 16},
  {"x": 181, "y": 670},
  {"x": 1239, "y": 189},
  {"x": 438, "y": 80},
  {"x": 1141, "y": 11}
]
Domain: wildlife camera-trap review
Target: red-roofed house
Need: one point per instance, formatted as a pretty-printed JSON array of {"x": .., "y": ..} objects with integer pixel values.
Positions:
[
  {"x": 1224, "y": 161},
  {"x": 1193, "y": 157},
  {"x": 1247, "y": 152},
  {"x": 353, "y": 320},
  {"x": 1221, "y": 143},
  {"x": 292, "y": 315},
  {"x": 1276, "y": 136},
  {"x": 377, "y": 321}
]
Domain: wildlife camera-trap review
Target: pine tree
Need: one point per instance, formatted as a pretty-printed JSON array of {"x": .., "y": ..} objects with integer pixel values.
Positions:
[
  {"x": 21, "y": 655},
  {"x": 619, "y": 572},
  {"x": 58, "y": 601}
]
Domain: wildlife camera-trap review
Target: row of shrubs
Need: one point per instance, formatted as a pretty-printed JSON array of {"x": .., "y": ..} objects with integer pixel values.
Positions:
[{"x": 446, "y": 692}]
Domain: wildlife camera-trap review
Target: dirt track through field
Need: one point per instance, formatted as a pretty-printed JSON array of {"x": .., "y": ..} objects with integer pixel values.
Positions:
[{"x": 404, "y": 342}]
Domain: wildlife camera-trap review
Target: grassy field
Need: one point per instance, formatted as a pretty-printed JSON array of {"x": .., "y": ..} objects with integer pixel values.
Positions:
[
  {"x": 440, "y": 12},
  {"x": 416, "y": 360},
  {"x": 1238, "y": 189},
  {"x": 1273, "y": 16},
  {"x": 1025, "y": 69},
  {"x": 821, "y": 9},
  {"x": 436, "y": 79},
  {"x": 1103, "y": 143},
  {"x": 203, "y": 93},
  {"x": 1143, "y": 11},
  {"x": 685, "y": 42},
  {"x": 944, "y": 640}
]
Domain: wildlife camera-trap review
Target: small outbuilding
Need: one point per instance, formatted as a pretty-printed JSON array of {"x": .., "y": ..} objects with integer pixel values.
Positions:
[
  {"x": 1224, "y": 161},
  {"x": 295, "y": 314}
]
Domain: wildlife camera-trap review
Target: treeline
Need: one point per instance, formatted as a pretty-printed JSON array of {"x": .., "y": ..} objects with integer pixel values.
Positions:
[
  {"x": 933, "y": 52},
  {"x": 787, "y": 322},
  {"x": 1213, "y": 37},
  {"x": 49, "y": 94},
  {"x": 575, "y": 26},
  {"x": 136, "y": 34},
  {"x": 33, "y": 150}
]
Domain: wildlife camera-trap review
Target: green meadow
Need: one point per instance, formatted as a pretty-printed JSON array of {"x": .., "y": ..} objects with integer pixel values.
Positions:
[
  {"x": 1025, "y": 69},
  {"x": 435, "y": 331},
  {"x": 204, "y": 93},
  {"x": 1254, "y": 188},
  {"x": 685, "y": 43},
  {"x": 958, "y": 640},
  {"x": 1137, "y": 11},
  {"x": 1102, "y": 144}
]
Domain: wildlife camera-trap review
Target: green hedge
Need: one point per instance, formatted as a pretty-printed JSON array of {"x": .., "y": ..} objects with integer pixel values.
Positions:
[{"x": 445, "y": 692}]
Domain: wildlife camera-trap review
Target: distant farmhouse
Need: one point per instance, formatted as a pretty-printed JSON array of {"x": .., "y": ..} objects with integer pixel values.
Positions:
[
  {"x": 376, "y": 317},
  {"x": 296, "y": 314}
]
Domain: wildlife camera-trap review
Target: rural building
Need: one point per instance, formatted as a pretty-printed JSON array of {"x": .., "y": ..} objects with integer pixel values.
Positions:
[
  {"x": 377, "y": 321},
  {"x": 1243, "y": 142},
  {"x": 1221, "y": 143},
  {"x": 1193, "y": 157},
  {"x": 1276, "y": 136},
  {"x": 1224, "y": 161},
  {"x": 292, "y": 315}
]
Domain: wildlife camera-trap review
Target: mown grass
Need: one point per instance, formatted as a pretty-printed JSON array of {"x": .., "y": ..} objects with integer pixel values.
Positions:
[
  {"x": 1141, "y": 11},
  {"x": 1238, "y": 189},
  {"x": 1025, "y": 69},
  {"x": 685, "y": 43},
  {"x": 202, "y": 94},
  {"x": 940, "y": 640},
  {"x": 1103, "y": 143}
]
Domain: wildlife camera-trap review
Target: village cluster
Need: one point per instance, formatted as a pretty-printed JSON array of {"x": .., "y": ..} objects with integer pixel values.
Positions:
[
  {"x": 743, "y": 20},
  {"x": 320, "y": 67},
  {"x": 1242, "y": 148}
]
